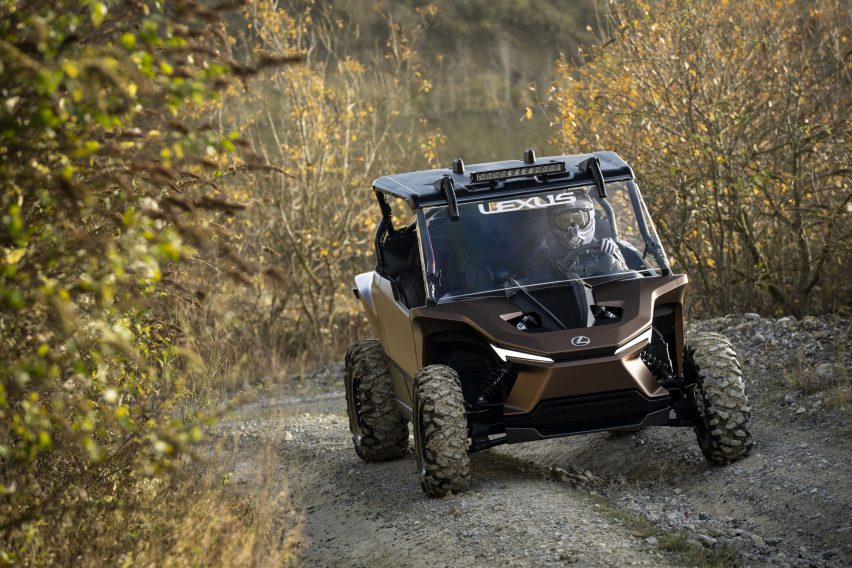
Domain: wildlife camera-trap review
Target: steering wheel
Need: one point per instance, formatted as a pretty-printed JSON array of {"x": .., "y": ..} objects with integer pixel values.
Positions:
[{"x": 591, "y": 249}]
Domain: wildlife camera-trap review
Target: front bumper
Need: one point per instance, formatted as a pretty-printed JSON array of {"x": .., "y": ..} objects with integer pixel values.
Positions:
[
  {"x": 584, "y": 395},
  {"x": 621, "y": 410},
  {"x": 538, "y": 382}
]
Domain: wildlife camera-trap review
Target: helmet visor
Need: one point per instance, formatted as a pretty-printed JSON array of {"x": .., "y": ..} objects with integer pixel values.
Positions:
[{"x": 568, "y": 218}]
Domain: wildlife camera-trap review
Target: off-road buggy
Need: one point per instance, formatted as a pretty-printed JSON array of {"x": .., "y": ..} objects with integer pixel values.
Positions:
[{"x": 528, "y": 300}]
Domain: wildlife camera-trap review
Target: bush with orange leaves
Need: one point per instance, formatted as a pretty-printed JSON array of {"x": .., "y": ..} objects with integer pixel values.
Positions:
[{"x": 735, "y": 117}]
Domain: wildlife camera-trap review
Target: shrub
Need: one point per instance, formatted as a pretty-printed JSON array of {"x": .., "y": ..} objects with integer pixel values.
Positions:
[
  {"x": 735, "y": 117},
  {"x": 102, "y": 169}
]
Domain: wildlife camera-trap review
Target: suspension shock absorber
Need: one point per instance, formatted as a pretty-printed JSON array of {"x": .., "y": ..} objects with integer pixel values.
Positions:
[
  {"x": 492, "y": 387},
  {"x": 659, "y": 368}
]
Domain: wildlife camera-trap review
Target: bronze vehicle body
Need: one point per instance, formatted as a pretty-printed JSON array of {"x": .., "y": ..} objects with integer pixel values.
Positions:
[{"x": 539, "y": 348}]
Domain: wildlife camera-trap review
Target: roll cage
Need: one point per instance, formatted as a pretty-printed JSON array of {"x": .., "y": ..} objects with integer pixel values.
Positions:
[{"x": 401, "y": 255}]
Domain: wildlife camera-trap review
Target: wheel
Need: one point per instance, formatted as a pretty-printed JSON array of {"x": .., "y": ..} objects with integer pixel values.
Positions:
[
  {"x": 440, "y": 431},
  {"x": 724, "y": 416},
  {"x": 379, "y": 432}
]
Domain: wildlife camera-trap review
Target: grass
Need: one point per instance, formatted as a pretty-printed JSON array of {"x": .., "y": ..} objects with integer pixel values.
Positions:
[
  {"x": 801, "y": 375},
  {"x": 187, "y": 517},
  {"x": 839, "y": 393},
  {"x": 835, "y": 390},
  {"x": 676, "y": 542},
  {"x": 692, "y": 554}
]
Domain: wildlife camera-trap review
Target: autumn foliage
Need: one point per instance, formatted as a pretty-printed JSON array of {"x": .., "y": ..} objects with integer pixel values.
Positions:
[
  {"x": 735, "y": 116},
  {"x": 185, "y": 198},
  {"x": 330, "y": 127},
  {"x": 104, "y": 163}
]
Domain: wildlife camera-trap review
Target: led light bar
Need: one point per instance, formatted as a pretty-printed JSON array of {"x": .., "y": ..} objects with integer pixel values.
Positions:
[
  {"x": 643, "y": 337},
  {"x": 509, "y": 354},
  {"x": 493, "y": 175}
]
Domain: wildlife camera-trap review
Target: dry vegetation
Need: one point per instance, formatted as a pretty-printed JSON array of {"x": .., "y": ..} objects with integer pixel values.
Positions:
[
  {"x": 332, "y": 125},
  {"x": 736, "y": 118},
  {"x": 168, "y": 232},
  {"x": 185, "y": 202}
]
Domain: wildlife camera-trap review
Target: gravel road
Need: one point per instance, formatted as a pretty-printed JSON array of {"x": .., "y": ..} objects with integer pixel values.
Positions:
[{"x": 641, "y": 499}]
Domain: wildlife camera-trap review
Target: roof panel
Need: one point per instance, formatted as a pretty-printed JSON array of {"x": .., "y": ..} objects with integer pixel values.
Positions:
[{"x": 418, "y": 187}]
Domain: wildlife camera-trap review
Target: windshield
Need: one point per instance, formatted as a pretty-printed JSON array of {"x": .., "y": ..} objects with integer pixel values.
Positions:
[{"x": 553, "y": 236}]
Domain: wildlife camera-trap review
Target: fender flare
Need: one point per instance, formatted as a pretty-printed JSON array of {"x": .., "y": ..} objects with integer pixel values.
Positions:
[{"x": 364, "y": 292}]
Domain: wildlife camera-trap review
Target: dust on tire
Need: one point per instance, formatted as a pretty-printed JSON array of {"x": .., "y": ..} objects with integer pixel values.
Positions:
[
  {"x": 724, "y": 415},
  {"x": 379, "y": 432},
  {"x": 440, "y": 431}
]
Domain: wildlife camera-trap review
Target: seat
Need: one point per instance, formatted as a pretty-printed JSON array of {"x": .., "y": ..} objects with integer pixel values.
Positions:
[
  {"x": 459, "y": 272},
  {"x": 410, "y": 281}
]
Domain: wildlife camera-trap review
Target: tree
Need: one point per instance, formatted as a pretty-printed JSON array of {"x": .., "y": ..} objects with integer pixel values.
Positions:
[
  {"x": 326, "y": 130},
  {"x": 735, "y": 117}
]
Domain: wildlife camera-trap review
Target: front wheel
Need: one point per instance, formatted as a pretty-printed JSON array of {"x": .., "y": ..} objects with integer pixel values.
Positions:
[
  {"x": 724, "y": 416},
  {"x": 378, "y": 430},
  {"x": 440, "y": 431}
]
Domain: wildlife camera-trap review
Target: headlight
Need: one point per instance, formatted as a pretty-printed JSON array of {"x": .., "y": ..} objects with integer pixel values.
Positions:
[
  {"x": 505, "y": 354},
  {"x": 641, "y": 338}
]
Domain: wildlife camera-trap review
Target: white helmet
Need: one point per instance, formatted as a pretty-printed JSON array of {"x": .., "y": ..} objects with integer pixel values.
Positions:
[{"x": 573, "y": 224}]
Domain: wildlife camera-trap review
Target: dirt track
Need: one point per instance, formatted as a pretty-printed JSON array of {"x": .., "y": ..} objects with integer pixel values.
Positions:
[
  {"x": 358, "y": 514},
  {"x": 647, "y": 498}
]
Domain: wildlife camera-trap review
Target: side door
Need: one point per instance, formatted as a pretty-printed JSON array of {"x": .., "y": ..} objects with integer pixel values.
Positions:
[
  {"x": 397, "y": 336},
  {"x": 394, "y": 241}
]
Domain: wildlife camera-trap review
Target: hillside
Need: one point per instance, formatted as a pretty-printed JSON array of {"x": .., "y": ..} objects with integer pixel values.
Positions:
[{"x": 481, "y": 59}]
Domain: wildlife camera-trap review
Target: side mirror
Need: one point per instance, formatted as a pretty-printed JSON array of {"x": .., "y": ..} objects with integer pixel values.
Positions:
[
  {"x": 593, "y": 166},
  {"x": 447, "y": 187}
]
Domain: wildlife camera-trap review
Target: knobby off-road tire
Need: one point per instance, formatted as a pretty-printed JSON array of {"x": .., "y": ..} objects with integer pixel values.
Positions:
[
  {"x": 379, "y": 432},
  {"x": 440, "y": 431},
  {"x": 724, "y": 416}
]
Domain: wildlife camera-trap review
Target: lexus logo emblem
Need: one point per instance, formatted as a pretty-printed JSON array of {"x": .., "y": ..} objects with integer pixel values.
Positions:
[{"x": 580, "y": 341}]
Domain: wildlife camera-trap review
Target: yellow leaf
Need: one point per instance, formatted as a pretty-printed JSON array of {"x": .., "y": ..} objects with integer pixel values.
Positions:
[
  {"x": 99, "y": 12},
  {"x": 14, "y": 256},
  {"x": 70, "y": 68},
  {"x": 711, "y": 263}
]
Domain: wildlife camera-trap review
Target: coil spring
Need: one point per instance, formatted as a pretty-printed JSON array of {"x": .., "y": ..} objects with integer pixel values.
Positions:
[
  {"x": 660, "y": 369},
  {"x": 493, "y": 385}
]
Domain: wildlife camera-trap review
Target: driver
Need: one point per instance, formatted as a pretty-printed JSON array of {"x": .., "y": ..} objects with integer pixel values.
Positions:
[{"x": 571, "y": 249}]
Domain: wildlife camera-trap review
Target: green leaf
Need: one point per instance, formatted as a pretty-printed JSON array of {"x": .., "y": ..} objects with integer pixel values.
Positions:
[
  {"x": 128, "y": 40},
  {"x": 99, "y": 12},
  {"x": 70, "y": 67},
  {"x": 87, "y": 149},
  {"x": 14, "y": 299},
  {"x": 44, "y": 440}
]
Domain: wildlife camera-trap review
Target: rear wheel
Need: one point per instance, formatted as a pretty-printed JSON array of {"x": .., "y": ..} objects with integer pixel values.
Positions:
[
  {"x": 440, "y": 431},
  {"x": 378, "y": 430},
  {"x": 724, "y": 416}
]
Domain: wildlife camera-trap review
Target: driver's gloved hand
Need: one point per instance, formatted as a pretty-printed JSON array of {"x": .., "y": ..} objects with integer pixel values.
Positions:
[{"x": 608, "y": 246}]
